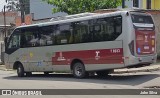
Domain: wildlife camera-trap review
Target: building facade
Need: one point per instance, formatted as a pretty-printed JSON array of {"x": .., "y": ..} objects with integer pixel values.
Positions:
[
  {"x": 133, "y": 3},
  {"x": 6, "y": 28},
  {"x": 10, "y": 21},
  {"x": 143, "y": 4},
  {"x": 36, "y": 11},
  {"x": 39, "y": 9},
  {"x": 151, "y": 4}
]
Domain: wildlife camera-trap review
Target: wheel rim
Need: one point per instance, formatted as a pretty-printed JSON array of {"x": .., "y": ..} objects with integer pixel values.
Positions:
[
  {"x": 78, "y": 70},
  {"x": 19, "y": 70}
]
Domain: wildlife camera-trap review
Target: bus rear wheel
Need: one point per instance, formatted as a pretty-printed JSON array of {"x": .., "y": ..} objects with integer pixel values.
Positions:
[
  {"x": 79, "y": 70},
  {"x": 28, "y": 73},
  {"x": 20, "y": 70},
  {"x": 47, "y": 73},
  {"x": 102, "y": 73}
]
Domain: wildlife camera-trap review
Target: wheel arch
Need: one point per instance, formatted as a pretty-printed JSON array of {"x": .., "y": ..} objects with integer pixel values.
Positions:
[
  {"x": 15, "y": 65},
  {"x": 75, "y": 61}
]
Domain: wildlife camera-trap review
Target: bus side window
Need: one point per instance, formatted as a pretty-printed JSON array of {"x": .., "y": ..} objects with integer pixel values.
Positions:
[
  {"x": 15, "y": 40},
  {"x": 35, "y": 39},
  {"x": 30, "y": 37},
  {"x": 47, "y": 35},
  {"x": 23, "y": 41},
  {"x": 112, "y": 28},
  {"x": 77, "y": 31},
  {"x": 95, "y": 30},
  {"x": 118, "y": 24},
  {"x": 63, "y": 33},
  {"x": 81, "y": 32}
]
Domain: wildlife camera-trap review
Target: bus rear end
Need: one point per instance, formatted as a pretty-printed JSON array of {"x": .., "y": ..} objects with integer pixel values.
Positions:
[{"x": 143, "y": 47}]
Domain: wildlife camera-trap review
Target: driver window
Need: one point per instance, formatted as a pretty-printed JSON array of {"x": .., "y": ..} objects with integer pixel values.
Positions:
[{"x": 15, "y": 40}]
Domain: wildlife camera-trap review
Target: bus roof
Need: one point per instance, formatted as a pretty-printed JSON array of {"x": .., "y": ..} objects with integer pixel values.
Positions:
[
  {"x": 72, "y": 16},
  {"x": 77, "y": 17}
]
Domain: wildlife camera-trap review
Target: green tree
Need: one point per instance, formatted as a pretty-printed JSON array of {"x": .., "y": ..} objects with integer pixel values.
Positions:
[
  {"x": 80, "y": 6},
  {"x": 13, "y": 5}
]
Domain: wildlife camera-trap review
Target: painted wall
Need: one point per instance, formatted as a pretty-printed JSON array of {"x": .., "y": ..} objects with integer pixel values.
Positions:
[
  {"x": 144, "y": 4},
  {"x": 155, "y": 4}
]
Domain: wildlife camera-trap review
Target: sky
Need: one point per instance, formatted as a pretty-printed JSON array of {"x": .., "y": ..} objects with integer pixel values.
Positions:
[{"x": 2, "y": 2}]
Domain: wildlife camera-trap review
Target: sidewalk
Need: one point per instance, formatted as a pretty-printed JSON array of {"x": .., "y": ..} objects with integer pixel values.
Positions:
[
  {"x": 2, "y": 67},
  {"x": 150, "y": 68}
]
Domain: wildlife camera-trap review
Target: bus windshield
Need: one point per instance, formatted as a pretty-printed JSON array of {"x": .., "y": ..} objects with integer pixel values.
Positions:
[{"x": 141, "y": 19}]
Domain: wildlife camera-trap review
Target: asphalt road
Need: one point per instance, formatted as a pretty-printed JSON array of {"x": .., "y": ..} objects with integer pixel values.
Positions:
[{"x": 140, "y": 80}]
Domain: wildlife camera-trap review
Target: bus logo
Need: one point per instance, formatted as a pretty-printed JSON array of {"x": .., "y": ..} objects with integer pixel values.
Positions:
[
  {"x": 97, "y": 55},
  {"x": 61, "y": 58},
  {"x": 146, "y": 38}
]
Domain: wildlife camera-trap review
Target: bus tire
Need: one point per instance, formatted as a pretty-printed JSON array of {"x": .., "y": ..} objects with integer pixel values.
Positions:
[
  {"x": 79, "y": 70},
  {"x": 20, "y": 70},
  {"x": 102, "y": 73},
  {"x": 47, "y": 73},
  {"x": 28, "y": 73}
]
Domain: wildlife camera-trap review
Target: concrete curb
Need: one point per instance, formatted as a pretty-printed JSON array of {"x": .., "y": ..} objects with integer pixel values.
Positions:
[{"x": 140, "y": 69}]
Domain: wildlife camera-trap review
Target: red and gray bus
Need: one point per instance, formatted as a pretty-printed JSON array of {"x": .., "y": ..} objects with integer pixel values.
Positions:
[{"x": 83, "y": 43}]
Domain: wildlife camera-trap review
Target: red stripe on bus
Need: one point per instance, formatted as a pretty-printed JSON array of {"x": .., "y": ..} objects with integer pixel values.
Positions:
[{"x": 103, "y": 56}]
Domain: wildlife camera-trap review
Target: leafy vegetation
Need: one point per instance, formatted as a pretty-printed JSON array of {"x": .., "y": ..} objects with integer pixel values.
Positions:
[
  {"x": 13, "y": 5},
  {"x": 80, "y": 6}
]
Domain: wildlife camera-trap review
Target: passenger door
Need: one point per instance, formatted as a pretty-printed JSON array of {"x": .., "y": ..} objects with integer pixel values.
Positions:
[{"x": 12, "y": 46}]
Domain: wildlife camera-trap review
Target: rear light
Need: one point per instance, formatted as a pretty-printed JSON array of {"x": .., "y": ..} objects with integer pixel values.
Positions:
[{"x": 131, "y": 47}]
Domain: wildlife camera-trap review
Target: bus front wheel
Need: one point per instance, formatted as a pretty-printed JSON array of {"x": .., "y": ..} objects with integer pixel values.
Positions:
[
  {"x": 79, "y": 70},
  {"x": 20, "y": 70}
]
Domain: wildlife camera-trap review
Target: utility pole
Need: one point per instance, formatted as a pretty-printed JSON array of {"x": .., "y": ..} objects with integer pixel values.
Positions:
[
  {"x": 123, "y": 3},
  {"x": 4, "y": 14},
  {"x": 22, "y": 11}
]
